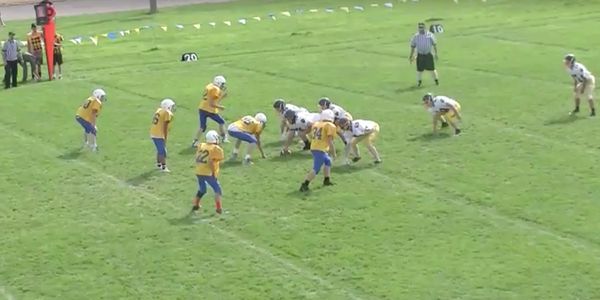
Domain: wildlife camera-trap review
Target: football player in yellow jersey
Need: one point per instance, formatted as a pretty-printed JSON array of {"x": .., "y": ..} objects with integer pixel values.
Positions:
[
  {"x": 87, "y": 115},
  {"x": 323, "y": 133},
  {"x": 209, "y": 156},
  {"x": 210, "y": 105},
  {"x": 161, "y": 121},
  {"x": 248, "y": 129}
]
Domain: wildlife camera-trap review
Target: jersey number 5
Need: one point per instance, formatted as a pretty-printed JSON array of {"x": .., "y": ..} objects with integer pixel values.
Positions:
[
  {"x": 201, "y": 157},
  {"x": 155, "y": 119}
]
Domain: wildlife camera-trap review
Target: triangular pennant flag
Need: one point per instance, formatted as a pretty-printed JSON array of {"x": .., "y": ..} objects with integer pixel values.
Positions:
[
  {"x": 358, "y": 7},
  {"x": 273, "y": 17},
  {"x": 78, "y": 40},
  {"x": 178, "y": 26},
  {"x": 94, "y": 40},
  {"x": 213, "y": 24},
  {"x": 390, "y": 5},
  {"x": 111, "y": 35},
  {"x": 314, "y": 10},
  {"x": 104, "y": 34},
  {"x": 344, "y": 8},
  {"x": 242, "y": 21},
  {"x": 137, "y": 30},
  {"x": 164, "y": 28},
  {"x": 197, "y": 26},
  {"x": 286, "y": 13},
  {"x": 374, "y": 5},
  {"x": 73, "y": 41},
  {"x": 256, "y": 18},
  {"x": 122, "y": 33},
  {"x": 227, "y": 23},
  {"x": 328, "y": 10}
]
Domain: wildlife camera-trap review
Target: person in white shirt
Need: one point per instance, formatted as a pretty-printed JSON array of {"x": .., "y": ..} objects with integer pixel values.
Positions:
[
  {"x": 299, "y": 124},
  {"x": 445, "y": 109},
  {"x": 280, "y": 107},
  {"x": 356, "y": 131},
  {"x": 584, "y": 83}
]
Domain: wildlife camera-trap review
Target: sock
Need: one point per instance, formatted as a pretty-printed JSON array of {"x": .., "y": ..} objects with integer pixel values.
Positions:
[
  {"x": 196, "y": 203},
  {"x": 218, "y": 204},
  {"x": 437, "y": 82},
  {"x": 236, "y": 151}
]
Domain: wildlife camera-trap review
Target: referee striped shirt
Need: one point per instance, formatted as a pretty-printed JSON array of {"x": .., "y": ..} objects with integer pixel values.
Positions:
[{"x": 423, "y": 42}]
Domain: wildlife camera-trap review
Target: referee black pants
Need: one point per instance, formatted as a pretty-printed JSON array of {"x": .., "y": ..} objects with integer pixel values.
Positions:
[{"x": 10, "y": 73}]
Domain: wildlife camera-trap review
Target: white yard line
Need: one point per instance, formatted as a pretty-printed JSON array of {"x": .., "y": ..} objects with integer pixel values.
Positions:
[
  {"x": 494, "y": 214},
  {"x": 248, "y": 244}
]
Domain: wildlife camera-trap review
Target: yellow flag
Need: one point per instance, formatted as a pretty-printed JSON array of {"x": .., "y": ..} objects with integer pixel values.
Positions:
[
  {"x": 286, "y": 13},
  {"x": 344, "y": 8},
  {"x": 104, "y": 34},
  {"x": 137, "y": 30},
  {"x": 163, "y": 28},
  {"x": 256, "y": 18},
  {"x": 197, "y": 26},
  {"x": 227, "y": 23},
  {"x": 314, "y": 10}
]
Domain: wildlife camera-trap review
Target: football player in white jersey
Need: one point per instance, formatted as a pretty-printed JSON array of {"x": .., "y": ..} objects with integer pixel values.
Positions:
[
  {"x": 298, "y": 124},
  {"x": 358, "y": 131},
  {"x": 584, "y": 83},
  {"x": 443, "y": 108},
  {"x": 338, "y": 111},
  {"x": 280, "y": 108}
]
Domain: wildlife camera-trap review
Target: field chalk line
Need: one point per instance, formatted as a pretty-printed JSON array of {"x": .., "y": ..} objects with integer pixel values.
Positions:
[{"x": 244, "y": 242}]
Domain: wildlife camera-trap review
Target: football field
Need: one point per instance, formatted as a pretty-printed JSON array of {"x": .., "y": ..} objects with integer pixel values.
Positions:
[{"x": 508, "y": 210}]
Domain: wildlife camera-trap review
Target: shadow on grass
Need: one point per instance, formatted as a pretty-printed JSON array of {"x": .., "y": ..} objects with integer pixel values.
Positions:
[
  {"x": 303, "y": 155},
  {"x": 73, "y": 154},
  {"x": 272, "y": 144},
  {"x": 428, "y": 137},
  {"x": 411, "y": 88},
  {"x": 356, "y": 167},
  {"x": 140, "y": 179},
  {"x": 562, "y": 120},
  {"x": 187, "y": 151}
]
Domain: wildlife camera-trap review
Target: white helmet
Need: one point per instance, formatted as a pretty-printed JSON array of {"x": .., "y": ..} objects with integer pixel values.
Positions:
[
  {"x": 99, "y": 94},
  {"x": 212, "y": 137},
  {"x": 219, "y": 81},
  {"x": 168, "y": 104},
  {"x": 261, "y": 118},
  {"x": 327, "y": 115}
]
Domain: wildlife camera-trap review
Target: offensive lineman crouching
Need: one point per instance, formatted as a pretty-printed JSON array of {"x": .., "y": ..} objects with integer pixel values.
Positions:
[
  {"x": 358, "y": 131},
  {"x": 443, "y": 108},
  {"x": 298, "y": 123}
]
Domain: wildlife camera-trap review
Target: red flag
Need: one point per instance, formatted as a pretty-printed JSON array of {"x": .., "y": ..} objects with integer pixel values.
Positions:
[{"x": 49, "y": 32}]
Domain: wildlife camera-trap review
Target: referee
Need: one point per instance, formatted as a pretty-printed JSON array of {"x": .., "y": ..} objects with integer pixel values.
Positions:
[{"x": 423, "y": 41}]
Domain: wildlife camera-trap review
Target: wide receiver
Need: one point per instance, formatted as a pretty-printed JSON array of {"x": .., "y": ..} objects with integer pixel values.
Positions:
[
  {"x": 322, "y": 148},
  {"x": 443, "y": 108},
  {"x": 299, "y": 124},
  {"x": 209, "y": 156},
  {"x": 159, "y": 130},
  {"x": 210, "y": 106},
  {"x": 583, "y": 83},
  {"x": 87, "y": 115},
  {"x": 359, "y": 131},
  {"x": 248, "y": 129}
]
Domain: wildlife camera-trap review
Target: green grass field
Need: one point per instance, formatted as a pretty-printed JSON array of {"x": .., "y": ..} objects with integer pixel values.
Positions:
[{"x": 509, "y": 210}]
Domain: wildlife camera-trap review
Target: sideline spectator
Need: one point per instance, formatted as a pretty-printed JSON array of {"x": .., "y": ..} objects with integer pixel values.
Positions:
[
  {"x": 34, "y": 46},
  {"x": 10, "y": 56}
]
